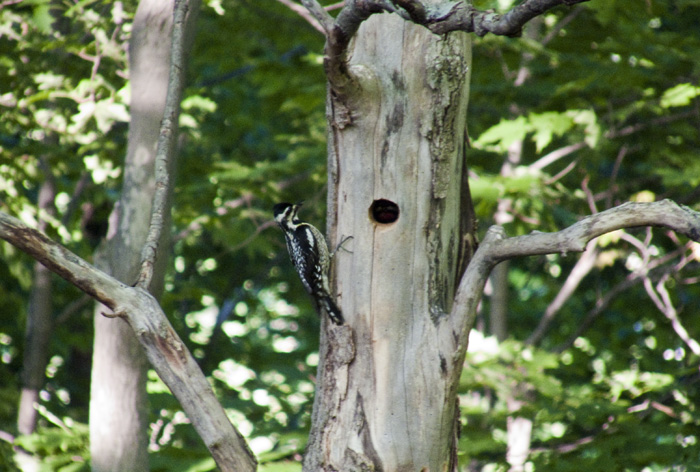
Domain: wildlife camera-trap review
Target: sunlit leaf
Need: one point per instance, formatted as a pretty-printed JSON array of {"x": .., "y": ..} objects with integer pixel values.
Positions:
[{"x": 680, "y": 95}]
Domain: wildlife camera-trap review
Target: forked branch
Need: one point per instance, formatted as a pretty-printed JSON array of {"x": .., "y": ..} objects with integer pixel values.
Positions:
[
  {"x": 665, "y": 213},
  {"x": 496, "y": 247},
  {"x": 440, "y": 18},
  {"x": 163, "y": 347},
  {"x": 451, "y": 16}
]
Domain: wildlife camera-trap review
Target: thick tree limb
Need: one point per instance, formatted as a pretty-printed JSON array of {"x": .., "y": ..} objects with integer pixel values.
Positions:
[
  {"x": 441, "y": 18},
  {"x": 339, "y": 32},
  {"x": 166, "y": 143},
  {"x": 496, "y": 247},
  {"x": 665, "y": 213},
  {"x": 460, "y": 16},
  {"x": 59, "y": 260},
  {"x": 164, "y": 349},
  {"x": 319, "y": 13}
]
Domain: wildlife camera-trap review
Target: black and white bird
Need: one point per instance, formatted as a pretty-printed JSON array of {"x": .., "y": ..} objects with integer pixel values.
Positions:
[{"x": 309, "y": 253}]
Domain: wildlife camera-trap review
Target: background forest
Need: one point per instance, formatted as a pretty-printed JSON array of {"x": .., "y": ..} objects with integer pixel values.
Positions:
[{"x": 593, "y": 106}]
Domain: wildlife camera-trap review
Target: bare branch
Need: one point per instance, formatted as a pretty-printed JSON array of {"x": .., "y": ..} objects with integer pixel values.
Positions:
[
  {"x": 601, "y": 305},
  {"x": 339, "y": 34},
  {"x": 496, "y": 247},
  {"x": 655, "y": 265},
  {"x": 59, "y": 260},
  {"x": 613, "y": 176},
  {"x": 664, "y": 213},
  {"x": 440, "y": 18},
  {"x": 662, "y": 300},
  {"x": 166, "y": 143},
  {"x": 319, "y": 13},
  {"x": 559, "y": 175},
  {"x": 582, "y": 268},
  {"x": 561, "y": 24},
  {"x": 306, "y": 14},
  {"x": 460, "y": 16},
  {"x": 163, "y": 347},
  {"x": 557, "y": 154},
  {"x": 72, "y": 308},
  {"x": 631, "y": 129},
  {"x": 334, "y": 6}
]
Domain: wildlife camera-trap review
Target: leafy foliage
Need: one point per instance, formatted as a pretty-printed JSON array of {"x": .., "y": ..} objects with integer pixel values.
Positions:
[
  {"x": 586, "y": 414},
  {"x": 615, "y": 83},
  {"x": 602, "y": 116},
  {"x": 65, "y": 449}
]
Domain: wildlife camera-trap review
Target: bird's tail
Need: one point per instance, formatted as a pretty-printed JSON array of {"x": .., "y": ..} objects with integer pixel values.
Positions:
[{"x": 329, "y": 306}]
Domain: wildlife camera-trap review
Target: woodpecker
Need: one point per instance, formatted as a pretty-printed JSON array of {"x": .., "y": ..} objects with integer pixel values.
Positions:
[{"x": 309, "y": 253}]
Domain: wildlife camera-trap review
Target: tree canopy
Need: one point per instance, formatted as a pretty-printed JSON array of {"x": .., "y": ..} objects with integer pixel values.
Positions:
[{"x": 592, "y": 106}]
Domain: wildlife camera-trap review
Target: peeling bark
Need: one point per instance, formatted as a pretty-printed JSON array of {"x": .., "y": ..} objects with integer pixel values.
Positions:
[{"x": 398, "y": 134}]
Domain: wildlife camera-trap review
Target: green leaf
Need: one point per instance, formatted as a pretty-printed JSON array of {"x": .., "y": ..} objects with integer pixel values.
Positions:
[
  {"x": 499, "y": 137},
  {"x": 199, "y": 102},
  {"x": 680, "y": 95},
  {"x": 203, "y": 465},
  {"x": 49, "y": 80},
  {"x": 107, "y": 112},
  {"x": 285, "y": 466},
  {"x": 548, "y": 124},
  {"x": 42, "y": 16},
  {"x": 589, "y": 120}
]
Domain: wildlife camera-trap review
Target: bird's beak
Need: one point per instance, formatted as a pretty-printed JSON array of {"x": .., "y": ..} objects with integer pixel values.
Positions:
[{"x": 295, "y": 208}]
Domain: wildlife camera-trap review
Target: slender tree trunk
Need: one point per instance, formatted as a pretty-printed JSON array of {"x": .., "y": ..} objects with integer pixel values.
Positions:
[
  {"x": 118, "y": 403},
  {"x": 39, "y": 322},
  {"x": 498, "y": 319},
  {"x": 386, "y": 398},
  {"x": 37, "y": 340},
  {"x": 498, "y": 315},
  {"x": 39, "y": 328}
]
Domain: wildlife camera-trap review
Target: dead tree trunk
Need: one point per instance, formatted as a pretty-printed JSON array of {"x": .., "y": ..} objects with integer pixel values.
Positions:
[
  {"x": 386, "y": 394},
  {"x": 397, "y": 141}
]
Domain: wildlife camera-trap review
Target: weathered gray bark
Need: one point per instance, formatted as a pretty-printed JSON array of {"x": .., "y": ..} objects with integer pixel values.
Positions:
[
  {"x": 163, "y": 347},
  {"x": 387, "y": 381},
  {"x": 398, "y": 133},
  {"x": 118, "y": 404}
]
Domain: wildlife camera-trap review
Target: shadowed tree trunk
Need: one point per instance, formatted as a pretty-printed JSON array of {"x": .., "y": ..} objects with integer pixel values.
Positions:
[
  {"x": 39, "y": 327},
  {"x": 39, "y": 321},
  {"x": 118, "y": 404}
]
